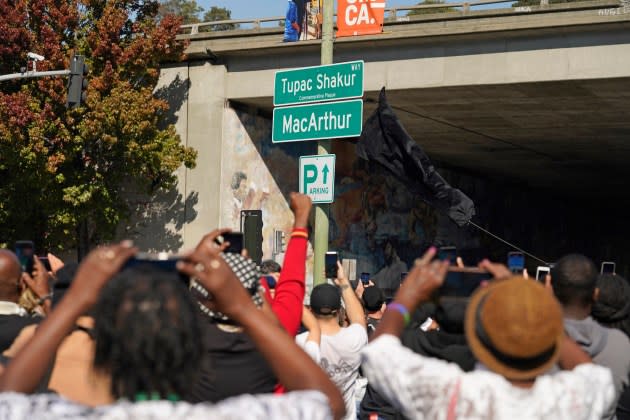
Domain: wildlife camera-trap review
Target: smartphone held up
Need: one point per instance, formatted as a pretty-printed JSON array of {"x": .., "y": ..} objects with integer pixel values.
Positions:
[
  {"x": 542, "y": 272},
  {"x": 608, "y": 267},
  {"x": 235, "y": 241},
  {"x": 365, "y": 278},
  {"x": 162, "y": 261},
  {"x": 330, "y": 263},
  {"x": 25, "y": 251},
  {"x": 516, "y": 262}
]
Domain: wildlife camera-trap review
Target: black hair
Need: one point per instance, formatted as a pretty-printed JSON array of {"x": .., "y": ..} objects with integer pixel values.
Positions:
[
  {"x": 573, "y": 279},
  {"x": 147, "y": 334},
  {"x": 270, "y": 266},
  {"x": 237, "y": 177},
  {"x": 612, "y": 307}
]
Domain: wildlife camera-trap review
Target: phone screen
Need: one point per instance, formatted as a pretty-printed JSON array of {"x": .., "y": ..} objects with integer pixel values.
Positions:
[
  {"x": 44, "y": 260},
  {"x": 365, "y": 278},
  {"x": 541, "y": 273},
  {"x": 447, "y": 253},
  {"x": 236, "y": 242},
  {"x": 608, "y": 268},
  {"x": 331, "y": 265},
  {"x": 25, "y": 250},
  {"x": 516, "y": 261},
  {"x": 462, "y": 282},
  {"x": 271, "y": 281}
]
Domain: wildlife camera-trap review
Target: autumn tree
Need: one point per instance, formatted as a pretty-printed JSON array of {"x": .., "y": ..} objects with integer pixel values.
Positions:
[{"x": 66, "y": 174}]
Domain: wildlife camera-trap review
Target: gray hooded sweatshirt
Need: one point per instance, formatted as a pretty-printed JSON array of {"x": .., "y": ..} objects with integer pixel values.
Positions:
[{"x": 607, "y": 347}]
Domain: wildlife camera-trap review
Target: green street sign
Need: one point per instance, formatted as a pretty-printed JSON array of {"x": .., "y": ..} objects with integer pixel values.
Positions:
[
  {"x": 317, "y": 121},
  {"x": 317, "y": 177},
  {"x": 319, "y": 84}
]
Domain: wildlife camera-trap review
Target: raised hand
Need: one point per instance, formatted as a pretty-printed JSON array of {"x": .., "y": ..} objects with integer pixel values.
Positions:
[
  {"x": 301, "y": 206},
  {"x": 498, "y": 271},
  {"x": 38, "y": 283},
  {"x": 422, "y": 281},
  {"x": 208, "y": 268},
  {"x": 97, "y": 269}
]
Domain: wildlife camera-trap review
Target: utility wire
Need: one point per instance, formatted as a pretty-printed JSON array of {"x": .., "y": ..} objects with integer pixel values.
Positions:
[
  {"x": 496, "y": 139},
  {"x": 470, "y": 222}
]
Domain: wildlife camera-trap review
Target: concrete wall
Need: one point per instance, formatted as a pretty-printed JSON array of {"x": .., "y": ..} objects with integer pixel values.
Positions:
[
  {"x": 459, "y": 61},
  {"x": 177, "y": 219}
]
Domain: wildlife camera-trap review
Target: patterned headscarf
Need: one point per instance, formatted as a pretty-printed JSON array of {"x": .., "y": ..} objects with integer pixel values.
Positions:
[{"x": 246, "y": 271}]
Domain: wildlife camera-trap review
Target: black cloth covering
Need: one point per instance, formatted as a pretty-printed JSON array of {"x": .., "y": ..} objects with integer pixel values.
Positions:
[{"x": 384, "y": 140}]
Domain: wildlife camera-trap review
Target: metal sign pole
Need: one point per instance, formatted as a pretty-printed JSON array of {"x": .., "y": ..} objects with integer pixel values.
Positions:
[{"x": 323, "y": 147}]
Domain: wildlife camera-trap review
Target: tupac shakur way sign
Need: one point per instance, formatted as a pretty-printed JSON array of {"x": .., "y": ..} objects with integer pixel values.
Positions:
[{"x": 328, "y": 119}]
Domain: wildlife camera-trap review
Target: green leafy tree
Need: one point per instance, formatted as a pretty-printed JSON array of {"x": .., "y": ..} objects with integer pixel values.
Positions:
[
  {"x": 66, "y": 174},
  {"x": 431, "y": 11},
  {"x": 219, "y": 13},
  {"x": 188, "y": 10}
]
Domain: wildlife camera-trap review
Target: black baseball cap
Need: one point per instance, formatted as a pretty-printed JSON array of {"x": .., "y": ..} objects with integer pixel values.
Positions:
[
  {"x": 325, "y": 299},
  {"x": 373, "y": 298}
]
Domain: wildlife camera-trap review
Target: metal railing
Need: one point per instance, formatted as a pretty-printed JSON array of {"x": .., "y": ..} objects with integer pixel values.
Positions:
[
  {"x": 391, "y": 15},
  {"x": 194, "y": 28}
]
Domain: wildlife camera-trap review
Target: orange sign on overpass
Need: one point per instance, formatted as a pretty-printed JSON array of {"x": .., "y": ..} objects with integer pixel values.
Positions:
[{"x": 360, "y": 17}]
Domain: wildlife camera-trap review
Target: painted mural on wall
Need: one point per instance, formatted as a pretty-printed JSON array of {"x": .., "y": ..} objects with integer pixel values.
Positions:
[
  {"x": 374, "y": 219},
  {"x": 257, "y": 176}
]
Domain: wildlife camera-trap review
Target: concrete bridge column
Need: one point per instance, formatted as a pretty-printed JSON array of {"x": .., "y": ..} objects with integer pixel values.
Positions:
[{"x": 204, "y": 132}]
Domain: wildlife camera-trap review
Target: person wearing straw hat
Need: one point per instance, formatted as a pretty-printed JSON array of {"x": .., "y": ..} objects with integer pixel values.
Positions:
[{"x": 514, "y": 328}]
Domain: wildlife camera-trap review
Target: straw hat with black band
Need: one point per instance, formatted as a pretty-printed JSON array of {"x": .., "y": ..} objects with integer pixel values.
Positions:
[{"x": 514, "y": 327}]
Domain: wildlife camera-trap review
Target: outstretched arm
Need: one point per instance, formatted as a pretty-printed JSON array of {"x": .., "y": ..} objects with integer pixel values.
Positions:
[
  {"x": 294, "y": 368},
  {"x": 289, "y": 297},
  {"x": 29, "y": 366},
  {"x": 354, "y": 309}
]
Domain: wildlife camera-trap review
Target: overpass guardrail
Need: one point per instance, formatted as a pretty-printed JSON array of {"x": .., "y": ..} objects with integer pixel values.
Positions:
[{"x": 393, "y": 16}]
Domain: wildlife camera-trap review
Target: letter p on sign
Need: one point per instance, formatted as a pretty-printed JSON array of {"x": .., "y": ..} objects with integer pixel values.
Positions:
[
  {"x": 310, "y": 176},
  {"x": 317, "y": 177},
  {"x": 360, "y": 17}
]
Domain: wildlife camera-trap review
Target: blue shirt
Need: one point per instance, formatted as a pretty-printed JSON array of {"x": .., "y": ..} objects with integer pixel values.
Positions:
[{"x": 290, "y": 33}]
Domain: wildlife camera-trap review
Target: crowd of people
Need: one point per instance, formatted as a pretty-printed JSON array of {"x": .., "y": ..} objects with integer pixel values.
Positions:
[{"x": 221, "y": 337}]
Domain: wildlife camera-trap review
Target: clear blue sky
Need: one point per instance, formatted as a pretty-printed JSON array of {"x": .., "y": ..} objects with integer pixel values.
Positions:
[{"x": 245, "y": 9}]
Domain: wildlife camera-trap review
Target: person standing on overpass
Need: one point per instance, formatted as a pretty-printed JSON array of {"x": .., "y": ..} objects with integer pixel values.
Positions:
[{"x": 291, "y": 23}]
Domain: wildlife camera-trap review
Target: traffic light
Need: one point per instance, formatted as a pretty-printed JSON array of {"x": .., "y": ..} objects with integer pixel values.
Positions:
[{"x": 77, "y": 83}]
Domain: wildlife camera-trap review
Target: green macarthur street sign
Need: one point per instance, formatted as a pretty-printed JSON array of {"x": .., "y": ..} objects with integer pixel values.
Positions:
[
  {"x": 318, "y": 84},
  {"x": 317, "y": 121},
  {"x": 317, "y": 177}
]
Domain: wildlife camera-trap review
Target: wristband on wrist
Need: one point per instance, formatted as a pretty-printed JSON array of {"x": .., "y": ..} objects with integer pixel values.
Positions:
[
  {"x": 401, "y": 310},
  {"x": 299, "y": 234}
]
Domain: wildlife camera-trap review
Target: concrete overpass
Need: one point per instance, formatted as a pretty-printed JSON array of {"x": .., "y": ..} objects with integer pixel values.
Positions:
[{"x": 539, "y": 96}]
